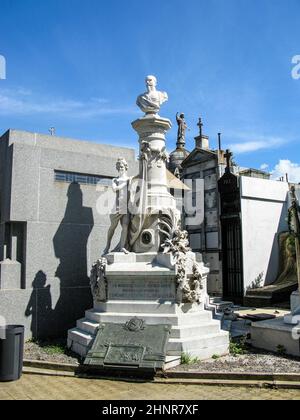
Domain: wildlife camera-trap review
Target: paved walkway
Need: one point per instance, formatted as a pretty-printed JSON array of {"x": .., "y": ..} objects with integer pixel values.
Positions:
[{"x": 59, "y": 388}]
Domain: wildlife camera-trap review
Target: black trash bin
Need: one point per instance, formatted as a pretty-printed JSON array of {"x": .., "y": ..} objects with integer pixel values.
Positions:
[{"x": 11, "y": 352}]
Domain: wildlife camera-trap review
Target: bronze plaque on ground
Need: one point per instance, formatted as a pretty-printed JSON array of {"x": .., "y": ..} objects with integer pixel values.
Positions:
[{"x": 130, "y": 346}]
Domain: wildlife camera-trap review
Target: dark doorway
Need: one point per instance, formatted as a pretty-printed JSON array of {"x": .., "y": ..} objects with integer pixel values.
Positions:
[
  {"x": 233, "y": 287},
  {"x": 232, "y": 252}
]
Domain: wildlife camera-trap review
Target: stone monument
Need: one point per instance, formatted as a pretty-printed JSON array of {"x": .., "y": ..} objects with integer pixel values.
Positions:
[
  {"x": 286, "y": 282},
  {"x": 284, "y": 332},
  {"x": 152, "y": 278},
  {"x": 294, "y": 223}
]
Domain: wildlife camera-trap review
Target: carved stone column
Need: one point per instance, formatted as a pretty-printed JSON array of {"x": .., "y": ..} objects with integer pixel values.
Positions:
[{"x": 160, "y": 209}]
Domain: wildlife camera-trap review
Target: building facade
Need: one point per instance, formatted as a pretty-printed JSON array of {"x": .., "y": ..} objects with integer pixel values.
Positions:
[
  {"x": 51, "y": 229},
  {"x": 254, "y": 215},
  {"x": 207, "y": 165}
]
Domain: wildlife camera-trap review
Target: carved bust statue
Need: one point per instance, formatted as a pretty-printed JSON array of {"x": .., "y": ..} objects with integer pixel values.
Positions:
[{"x": 151, "y": 101}]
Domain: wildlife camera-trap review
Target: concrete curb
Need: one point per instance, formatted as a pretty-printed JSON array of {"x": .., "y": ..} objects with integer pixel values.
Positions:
[
  {"x": 48, "y": 372},
  {"x": 233, "y": 383},
  {"x": 40, "y": 364},
  {"x": 236, "y": 376},
  {"x": 254, "y": 380}
]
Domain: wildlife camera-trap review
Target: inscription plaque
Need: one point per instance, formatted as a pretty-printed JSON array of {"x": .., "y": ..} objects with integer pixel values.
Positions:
[
  {"x": 129, "y": 355},
  {"x": 145, "y": 289},
  {"x": 130, "y": 346}
]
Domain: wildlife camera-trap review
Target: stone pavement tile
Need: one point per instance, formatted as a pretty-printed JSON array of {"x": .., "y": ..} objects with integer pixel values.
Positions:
[{"x": 63, "y": 388}]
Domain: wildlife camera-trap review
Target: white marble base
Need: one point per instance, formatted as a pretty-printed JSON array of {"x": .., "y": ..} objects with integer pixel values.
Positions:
[
  {"x": 294, "y": 317},
  {"x": 268, "y": 335},
  {"x": 146, "y": 289},
  {"x": 295, "y": 302},
  {"x": 193, "y": 329}
]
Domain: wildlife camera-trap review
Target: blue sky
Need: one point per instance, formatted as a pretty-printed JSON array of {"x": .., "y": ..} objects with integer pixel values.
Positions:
[{"x": 79, "y": 66}]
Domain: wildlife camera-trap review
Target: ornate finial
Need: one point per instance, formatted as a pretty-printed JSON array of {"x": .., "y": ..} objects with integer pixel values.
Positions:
[
  {"x": 200, "y": 125},
  {"x": 151, "y": 101},
  {"x": 228, "y": 155}
]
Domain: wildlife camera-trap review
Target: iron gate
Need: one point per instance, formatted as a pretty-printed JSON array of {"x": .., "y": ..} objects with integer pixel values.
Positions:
[{"x": 233, "y": 287}]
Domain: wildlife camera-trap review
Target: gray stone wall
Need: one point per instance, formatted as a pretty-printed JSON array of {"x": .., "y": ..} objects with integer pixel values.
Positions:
[
  {"x": 64, "y": 234},
  {"x": 206, "y": 238}
]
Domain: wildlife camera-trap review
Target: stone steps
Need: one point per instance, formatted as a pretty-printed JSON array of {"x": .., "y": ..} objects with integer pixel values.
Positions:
[
  {"x": 212, "y": 327},
  {"x": 88, "y": 326},
  {"x": 201, "y": 346},
  {"x": 146, "y": 307},
  {"x": 194, "y": 331},
  {"x": 78, "y": 348},
  {"x": 151, "y": 319},
  {"x": 220, "y": 305},
  {"x": 187, "y": 345},
  {"x": 207, "y": 327},
  {"x": 208, "y": 353},
  {"x": 81, "y": 337},
  {"x": 198, "y": 340}
]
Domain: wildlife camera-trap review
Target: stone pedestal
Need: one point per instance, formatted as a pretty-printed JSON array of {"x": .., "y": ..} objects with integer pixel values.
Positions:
[
  {"x": 158, "y": 205},
  {"x": 276, "y": 334},
  {"x": 152, "y": 129},
  {"x": 294, "y": 317},
  {"x": 283, "y": 332},
  {"x": 295, "y": 301},
  {"x": 144, "y": 286}
]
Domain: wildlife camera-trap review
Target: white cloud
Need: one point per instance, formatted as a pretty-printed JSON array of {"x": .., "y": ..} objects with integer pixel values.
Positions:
[
  {"x": 24, "y": 102},
  {"x": 255, "y": 145},
  {"x": 287, "y": 167},
  {"x": 264, "y": 167}
]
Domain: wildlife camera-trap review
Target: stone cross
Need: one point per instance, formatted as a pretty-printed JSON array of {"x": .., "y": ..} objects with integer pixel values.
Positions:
[
  {"x": 200, "y": 125},
  {"x": 228, "y": 155}
]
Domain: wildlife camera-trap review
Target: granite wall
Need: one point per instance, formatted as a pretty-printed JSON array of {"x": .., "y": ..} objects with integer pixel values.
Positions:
[{"x": 54, "y": 225}]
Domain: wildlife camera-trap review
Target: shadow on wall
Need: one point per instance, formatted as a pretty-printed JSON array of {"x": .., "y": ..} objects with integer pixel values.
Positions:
[
  {"x": 70, "y": 247},
  {"x": 43, "y": 311},
  {"x": 274, "y": 266}
]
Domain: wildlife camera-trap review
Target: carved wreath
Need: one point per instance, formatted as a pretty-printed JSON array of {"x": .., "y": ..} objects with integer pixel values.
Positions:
[
  {"x": 98, "y": 281},
  {"x": 189, "y": 289}
]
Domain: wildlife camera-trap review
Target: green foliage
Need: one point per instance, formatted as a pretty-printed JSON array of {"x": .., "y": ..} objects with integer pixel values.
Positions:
[
  {"x": 54, "y": 349},
  {"x": 257, "y": 283},
  {"x": 49, "y": 347},
  {"x": 238, "y": 348},
  {"x": 215, "y": 357},
  {"x": 187, "y": 359},
  {"x": 31, "y": 341},
  {"x": 291, "y": 243}
]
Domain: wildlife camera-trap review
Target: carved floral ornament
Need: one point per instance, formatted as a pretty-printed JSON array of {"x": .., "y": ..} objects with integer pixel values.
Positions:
[
  {"x": 189, "y": 287},
  {"x": 98, "y": 280}
]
